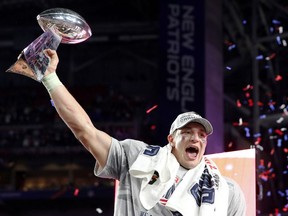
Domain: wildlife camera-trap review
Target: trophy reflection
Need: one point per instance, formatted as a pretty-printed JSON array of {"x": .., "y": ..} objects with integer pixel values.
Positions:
[{"x": 60, "y": 25}]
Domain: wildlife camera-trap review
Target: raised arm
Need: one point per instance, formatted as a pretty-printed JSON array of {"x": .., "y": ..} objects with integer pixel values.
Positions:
[{"x": 95, "y": 141}]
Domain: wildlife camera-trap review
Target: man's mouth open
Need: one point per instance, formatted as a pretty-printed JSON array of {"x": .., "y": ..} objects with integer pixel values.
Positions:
[{"x": 192, "y": 152}]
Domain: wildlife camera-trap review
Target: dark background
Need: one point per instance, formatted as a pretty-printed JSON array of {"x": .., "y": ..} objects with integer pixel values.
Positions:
[{"x": 115, "y": 76}]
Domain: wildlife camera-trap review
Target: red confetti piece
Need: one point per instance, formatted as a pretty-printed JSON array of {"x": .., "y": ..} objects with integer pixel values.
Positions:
[
  {"x": 240, "y": 123},
  {"x": 248, "y": 87},
  {"x": 229, "y": 43},
  {"x": 278, "y": 78},
  {"x": 263, "y": 177},
  {"x": 238, "y": 103},
  {"x": 258, "y": 140},
  {"x": 151, "y": 109},
  {"x": 76, "y": 192},
  {"x": 269, "y": 164},
  {"x": 250, "y": 102},
  {"x": 272, "y": 56},
  {"x": 271, "y": 103},
  {"x": 276, "y": 212},
  {"x": 260, "y": 103},
  {"x": 279, "y": 132}
]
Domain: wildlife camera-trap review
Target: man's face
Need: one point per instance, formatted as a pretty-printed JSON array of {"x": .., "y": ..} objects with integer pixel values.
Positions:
[{"x": 189, "y": 144}]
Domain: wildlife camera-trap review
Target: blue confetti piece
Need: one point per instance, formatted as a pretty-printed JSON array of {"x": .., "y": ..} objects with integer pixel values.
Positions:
[
  {"x": 278, "y": 39},
  {"x": 247, "y": 130},
  {"x": 228, "y": 68},
  {"x": 271, "y": 29},
  {"x": 259, "y": 57},
  {"x": 279, "y": 142},
  {"x": 272, "y": 107},
  {"x": 281, "y": 193},
  {"x": 52, "y": 103},
  {"x": 274, "y": 21},
  {"x": 257, "y": 135},
  {"x": 232, "y": 47}
]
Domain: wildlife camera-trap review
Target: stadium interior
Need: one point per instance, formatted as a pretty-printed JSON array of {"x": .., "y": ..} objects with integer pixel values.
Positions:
[{"x": 44, "y": 170}]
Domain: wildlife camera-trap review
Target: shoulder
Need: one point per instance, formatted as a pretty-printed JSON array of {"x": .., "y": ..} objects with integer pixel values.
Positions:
[
  {"x": 233, "y": 185},
  {"x": 121, "y": 155},
  {"x": 128, "y": 148},
  {"x": 237, "y": 202},
  {"x": 132, "y": 145},
  {"x": 131, "y": 148},
  {"x": 234, "y": 188}
]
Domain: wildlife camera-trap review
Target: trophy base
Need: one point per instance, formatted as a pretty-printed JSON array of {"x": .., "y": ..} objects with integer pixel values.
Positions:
[{"x": 22, "y": 67}]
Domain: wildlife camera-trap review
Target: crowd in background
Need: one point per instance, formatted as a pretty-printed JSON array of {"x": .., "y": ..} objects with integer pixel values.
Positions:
[
  {"x": 28, "y": 118},
  {"x": 33, "y": 135}
]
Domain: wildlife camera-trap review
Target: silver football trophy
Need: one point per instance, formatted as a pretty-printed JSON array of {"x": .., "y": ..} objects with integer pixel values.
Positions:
[{"x": 60, "y": 25}]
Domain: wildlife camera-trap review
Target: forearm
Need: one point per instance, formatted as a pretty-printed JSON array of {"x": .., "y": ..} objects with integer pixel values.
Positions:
[
  {"x": 67, "y": 107},
  {"x": 75, "y": 117},
  {"x": 70, "y": 111}
]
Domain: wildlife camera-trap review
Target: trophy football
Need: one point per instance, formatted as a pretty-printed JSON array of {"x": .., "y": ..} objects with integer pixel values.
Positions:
[{"x": 60, "y": 25}]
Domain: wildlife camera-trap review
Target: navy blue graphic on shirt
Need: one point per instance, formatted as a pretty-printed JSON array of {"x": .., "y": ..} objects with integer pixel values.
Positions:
[
  {"x": 151, "y": 150},
  {"x": 204, "y": 191}
]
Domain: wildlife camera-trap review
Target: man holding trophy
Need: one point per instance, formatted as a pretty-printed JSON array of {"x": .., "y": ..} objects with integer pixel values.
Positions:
[{"x": 176, "y": 179}]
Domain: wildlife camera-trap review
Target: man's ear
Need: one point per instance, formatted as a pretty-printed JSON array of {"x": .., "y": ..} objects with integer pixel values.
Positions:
[{"x": 170, "y": 139}]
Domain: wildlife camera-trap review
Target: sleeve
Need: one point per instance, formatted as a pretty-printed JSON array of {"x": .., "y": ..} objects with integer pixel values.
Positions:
[
  {"x": 115, "y": 157},
  {"x": 120, "y": 157},
  {"x": 237, "y": 202}
]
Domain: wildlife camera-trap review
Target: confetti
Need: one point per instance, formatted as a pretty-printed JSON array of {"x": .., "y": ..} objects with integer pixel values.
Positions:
[
  {"x": 151, "y": 109},
  {"x": 278, "y": 78}
]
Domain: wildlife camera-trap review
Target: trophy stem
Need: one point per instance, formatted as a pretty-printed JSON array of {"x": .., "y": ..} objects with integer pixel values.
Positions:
[{"x": 32, "y": 62}]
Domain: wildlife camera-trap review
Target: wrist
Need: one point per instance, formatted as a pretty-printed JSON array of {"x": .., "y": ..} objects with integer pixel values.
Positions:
[{"x": 51, "y": 81}]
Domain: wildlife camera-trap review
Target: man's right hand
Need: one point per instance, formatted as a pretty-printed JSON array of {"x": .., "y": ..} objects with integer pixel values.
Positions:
[{"x": 54, "y": 60}]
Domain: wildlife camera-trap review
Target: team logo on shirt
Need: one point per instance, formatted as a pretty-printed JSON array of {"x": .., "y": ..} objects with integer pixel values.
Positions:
[{"x": 204, "y": 190}]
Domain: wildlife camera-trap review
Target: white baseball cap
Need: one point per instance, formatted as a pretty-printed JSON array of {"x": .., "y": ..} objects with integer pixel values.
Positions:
[{"x": 188, "y": 117}]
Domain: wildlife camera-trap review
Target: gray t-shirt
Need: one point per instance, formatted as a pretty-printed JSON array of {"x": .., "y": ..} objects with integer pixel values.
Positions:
[{"x": 121, "y": 156}]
